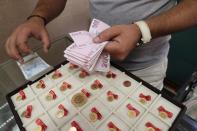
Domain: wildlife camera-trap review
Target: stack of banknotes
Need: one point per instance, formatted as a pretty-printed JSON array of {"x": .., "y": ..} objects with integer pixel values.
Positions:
[{"x": 87, "y": 54}]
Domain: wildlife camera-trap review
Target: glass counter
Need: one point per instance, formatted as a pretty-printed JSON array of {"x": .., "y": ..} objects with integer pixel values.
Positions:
[{"x": 11, "y": 77}]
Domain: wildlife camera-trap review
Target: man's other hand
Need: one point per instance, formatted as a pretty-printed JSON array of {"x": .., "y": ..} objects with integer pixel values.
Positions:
[{"x": 18, "y": 40}]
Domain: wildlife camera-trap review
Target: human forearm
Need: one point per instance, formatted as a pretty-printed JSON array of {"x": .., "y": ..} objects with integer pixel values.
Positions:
[
  {"x": 17, "y": 42},
  {"x": 49, "y": 8},
  {"x": 180, "y": 17}
]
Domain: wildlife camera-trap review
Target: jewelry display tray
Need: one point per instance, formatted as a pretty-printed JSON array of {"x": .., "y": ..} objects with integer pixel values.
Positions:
[{"x": 115, "y": 113}]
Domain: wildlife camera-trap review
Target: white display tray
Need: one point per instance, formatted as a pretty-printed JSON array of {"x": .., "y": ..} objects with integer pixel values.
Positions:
[{"x": 115, "y": 112}]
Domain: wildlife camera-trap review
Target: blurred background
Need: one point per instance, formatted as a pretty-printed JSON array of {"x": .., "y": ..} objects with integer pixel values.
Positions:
[{"x": 13, "y": 12}]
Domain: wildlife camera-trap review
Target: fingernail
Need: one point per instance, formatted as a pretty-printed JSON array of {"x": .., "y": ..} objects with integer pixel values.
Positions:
[
  {"x": 45, "y": 49},
  {"x": 97, "y": 39},
  {"x": 21, "y": 61},
  {"x": 27, "y": 51}
]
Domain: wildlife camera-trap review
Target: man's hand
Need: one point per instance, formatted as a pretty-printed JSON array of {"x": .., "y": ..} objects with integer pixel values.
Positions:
[
  {"x": 123, "y": 40},
  {"x": 17, "y": 41}
]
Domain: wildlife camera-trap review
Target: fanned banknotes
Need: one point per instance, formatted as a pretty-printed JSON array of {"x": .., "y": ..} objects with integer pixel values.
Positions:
[{"x": 87, "y": 54}]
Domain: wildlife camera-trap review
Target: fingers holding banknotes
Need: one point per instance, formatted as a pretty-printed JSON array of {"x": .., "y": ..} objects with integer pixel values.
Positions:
[
  {"x": 123, "y": 40},
  {"x": 17, "y": 41}
]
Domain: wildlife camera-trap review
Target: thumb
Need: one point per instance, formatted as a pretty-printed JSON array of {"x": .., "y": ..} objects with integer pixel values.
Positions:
[
  {"x": 111, "y": 47},
  {"x": 106, "y": 35},
  {"x": 45, "y": 40}
]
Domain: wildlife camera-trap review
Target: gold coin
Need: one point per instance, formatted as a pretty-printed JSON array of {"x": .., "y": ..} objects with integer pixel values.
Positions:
[
  {"x": 54, "y": 76},
  {"x": 163, "y": 115},
  {"x": 150, "y": 129},
  {"x": 79, "y": 100},
  {"x": 38, "y": 128},
  {"x": 38, "y": 86},
  {"x": 18, "y": 98},
  {"x": 110, "y": 98},
  {"x": 81, "y": 75},
  {"x": 112, "y": 129},
  {"x": 72, "y": 129},
  {"x": 49, "y": 97},
  {"x": 59, "y": 114},
  {"x": 131, "y": 114},
  {"x": 93, "y": 117},
  {"x": 23, "y": 114},
  {"x": 143, "y": 101}
]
